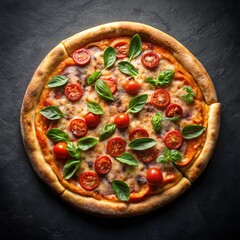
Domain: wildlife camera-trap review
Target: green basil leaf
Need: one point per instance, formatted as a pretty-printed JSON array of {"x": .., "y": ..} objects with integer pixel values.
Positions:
[
  {"x": 109, "y": 57},
  {"x": 175, "y": 155},
  {"x": 189, "y": 97},
  {"x": 57, "y": 81},
  {"x": 165, "y": 157},
  {"x": 52, "y": 113},
  {"x": 152, "y": 81},
  {"x": 86, "y": 143},
  {"x": 135, "y": 47},
  {"x": 157, "y": 122},
  {"x": 137, "y": 103},
  {"x": 107, "y": 131},
  {"x": 95, "y": 108},
  {"x": 121, "y": 190},
  {"x": 127, "y": 68},
  {"x": 73, "y": 150},
  {"x": 93, "y": 77},
  {"x": 128, "y": 159},
  {"x": 165, "y": 77},
  {"x": 71, "y": 167},
  {"x": 142, "y": 143},
  {"x": 58, "y": 135},
  {"x": 103, "y": 90},
  {"x": 192, "y": 131},
  {"x": 176, "y": 118}
]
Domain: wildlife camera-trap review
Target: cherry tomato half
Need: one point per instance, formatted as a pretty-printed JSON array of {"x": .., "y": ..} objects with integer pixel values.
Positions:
[
  {"x": 174, "y": 110},
  {"x": 116, "y": 146},
  {"x": 138, "y": 133},
  {"x": 122, "y": 120},
  {"x": 154, "y": 176},
  {"x": 147, "y": 155},
  {"x": 150, "y": 59},
  {"x": 60, "y": 150},
  {"x": 132, "y": 86},
  {"x": 92, "y": 120},
  {"x": 89, "y": 180},
  {"x": 81, "y": 56},
  {"x": 121, "y": 47},
  {"x": 160, "y": 98},
  {"x": 78, "y": 127},
  {"x": 73, "y": 91},
  {"x": 103, "y": 165},
  {"x": 111, "y": 84},
  {"x": 173, "y": 139}
]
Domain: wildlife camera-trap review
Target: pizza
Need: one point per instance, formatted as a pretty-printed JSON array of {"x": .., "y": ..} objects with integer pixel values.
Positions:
[{"x": 120, "y": 119}]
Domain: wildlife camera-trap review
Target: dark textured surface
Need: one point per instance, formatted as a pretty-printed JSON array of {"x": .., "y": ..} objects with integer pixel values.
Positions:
[{"x": 210, "y": 209}]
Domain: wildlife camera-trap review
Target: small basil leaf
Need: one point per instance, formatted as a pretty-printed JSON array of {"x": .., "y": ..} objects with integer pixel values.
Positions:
[
  {"x": 192, "y": 131},
  {"x": 86, "y": 143},
  {"x": 127, "y": 68},
  {"x": 57, "y": 81},
  {"x": 121, "y": 190},
  {"x": 165, "y": 157},
  {"x": 135, "y": 47},
  {"x": 52, "y": 113},
  {"x": 103, "y": 90},
  {"x": 137, "y": 103},
  {"x": 152, "y": 81},
  {"x": 109, "y": 57},
  {"x": 70, "y": 168},
  {"x": 93, "y": 77},
  {"x": 176, "y": 118},
  {"x": 189, "y": 97},
  {"x": 128, "y": 159},
  {"x": 107, "y": 131},
  {"x": 73, "y": 150},
  {"x": 142, "y": 143},
  {"x": 175, "y": 155},
  {"x": 95, "y": 108},
  {"x": 165, "y": 77},
  {"x": 157, "y": 122},
  {"x": 58, "y": 135}
]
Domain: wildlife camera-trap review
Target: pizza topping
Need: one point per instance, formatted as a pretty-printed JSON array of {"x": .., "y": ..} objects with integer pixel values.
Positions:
[
  {"x": 122, "y": 120},
  {"x": 107, "y": 131},
  {"x": 58, "y": 135},
  {"x": 128, "y": 159},
  {"x": 71, "y": 167},
  {"x": 121, "y": 47},
  {"x": 73, "y": 151},
  {"x": 103, "y": 90},
  {"x": 150, "y": 59},
  {"x": 160, "y": 98},
  {"x": 89, "y": 181},
  {"x": 192, "y": 131},
  {"x": 137, "y": 103},
  {"x": 116, "y": 146},
  {"x": 52, "y": 113},
  {"x": 164, "y": 77},
  {"x": 173, "y": 139},
  {"x": 147, "y": 155},
  {"x": 73, "y": 91},
  {"x": 103, "y": 165},
  {"x": 173, "y": 155},
  {"x": 132, "y": 86},
  {"x": 95, "y": 108},
  {"x": 78, "y": 127},
  {"x": 86, "y": 143},
  {"x": 142, "y": 143},
  {"x": 189, "y": 97},
  {"x": 81, "y": 56},
  {"x": 138, "y": 133},
  {"x": 57, "y": 81},
  {"x": 60, "y": 150},
  {"x": 121, "y": 190},
  {"x": 174, "y": 110},
  {"x": 135, "y": 47},
  {"x": 94, "y": 77},
  {"x": 92, "y": 120},
  {"x": 127, "y": 68},
  {"x": 111, "y": 84},
  {"x": 154, "y": 176}
]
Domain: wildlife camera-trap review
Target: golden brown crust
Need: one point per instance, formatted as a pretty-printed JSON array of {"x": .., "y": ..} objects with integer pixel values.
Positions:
[{"x": 121, "y": 209}]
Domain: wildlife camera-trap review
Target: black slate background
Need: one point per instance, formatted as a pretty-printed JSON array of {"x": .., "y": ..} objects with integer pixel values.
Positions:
[{"x": 210, "y": 209}]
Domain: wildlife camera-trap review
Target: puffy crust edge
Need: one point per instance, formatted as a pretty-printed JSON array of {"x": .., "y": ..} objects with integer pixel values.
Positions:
[
  {"x": 120, "y": 209},
  {"x": 153, "y": 35},
  {"x": 27, "y": 116}
]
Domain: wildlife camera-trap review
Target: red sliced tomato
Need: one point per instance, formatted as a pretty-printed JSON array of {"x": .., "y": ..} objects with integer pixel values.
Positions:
[
  {"x": 138, "y": 133},
  {"x": 60, "y": 150},
  {"x": 154, "y": 176},
  {"x": 116, "y": 146},
  {"x": 122, "y": 120},
  {"x": 160, "y": 98},
  {"x": 81, "y": 56},
  {"x": 121, "y": 46},
  {"x": 173, "y": 139},
  {"x": 92, "y": 120},
  {"x": 132, "y": 86},
  {"x": 111, "y": 83},
  {"x": 89, "y": 180},
  {"x": 78, "y": 127},
  {"x": 103, "y": 165},
  {"x": 147, "y": 155},
  {"x": 150, "y": 59},
  {"x": 73, "y": 91},
  {"x": 174, "y": 110}
]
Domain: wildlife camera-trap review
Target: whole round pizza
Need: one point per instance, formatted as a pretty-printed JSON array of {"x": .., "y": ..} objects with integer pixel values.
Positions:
[{"x": 120, "y": 119}]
